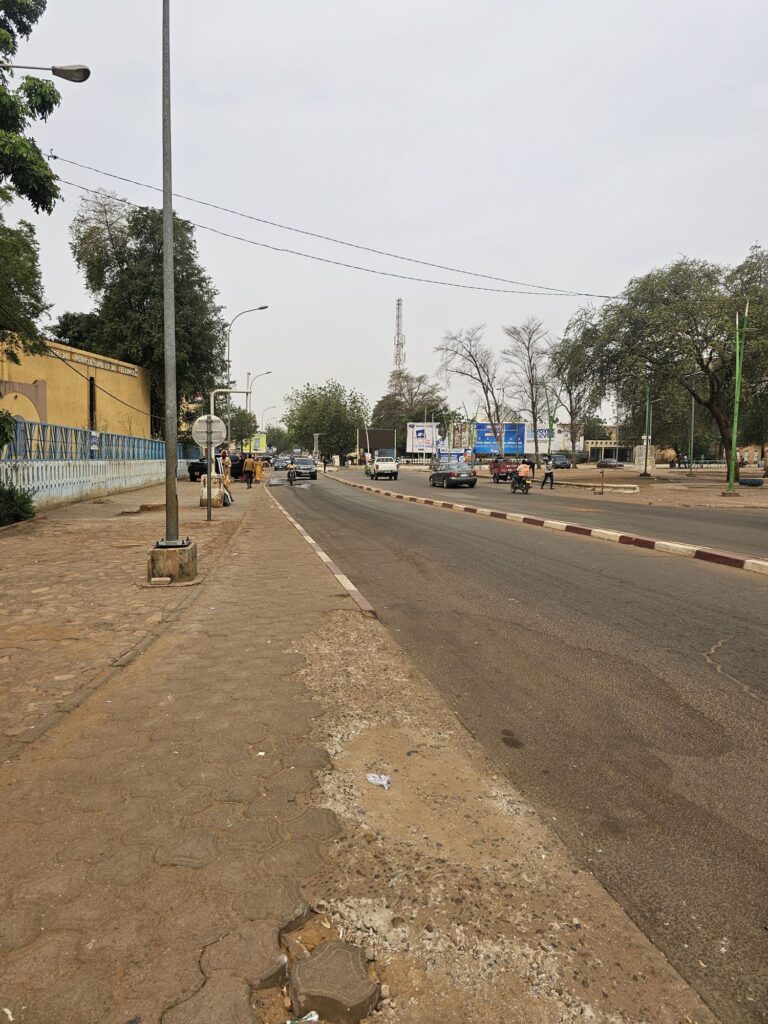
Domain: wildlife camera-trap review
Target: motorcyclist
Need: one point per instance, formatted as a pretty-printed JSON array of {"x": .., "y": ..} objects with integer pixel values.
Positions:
[
  {"x": 291, "y": 467},
  {"x": 522, "y": 474}
]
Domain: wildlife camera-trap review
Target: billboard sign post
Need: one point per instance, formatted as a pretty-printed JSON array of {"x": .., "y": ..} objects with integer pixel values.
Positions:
[{"x": 513, "y": 438}]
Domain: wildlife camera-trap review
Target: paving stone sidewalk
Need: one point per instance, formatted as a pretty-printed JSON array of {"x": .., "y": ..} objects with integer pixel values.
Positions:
[{"x": 157, "y": 833}]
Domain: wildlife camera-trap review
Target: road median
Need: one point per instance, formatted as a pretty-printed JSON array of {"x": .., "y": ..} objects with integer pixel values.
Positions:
[{"x": 730, "y": 559}]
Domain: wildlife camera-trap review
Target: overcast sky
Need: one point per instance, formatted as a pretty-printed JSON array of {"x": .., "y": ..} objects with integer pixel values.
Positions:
[{"x": 565, "y": 144}]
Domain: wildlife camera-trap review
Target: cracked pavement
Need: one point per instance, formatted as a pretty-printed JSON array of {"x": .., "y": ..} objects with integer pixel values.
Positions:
[{"x": 156, "y": 834}]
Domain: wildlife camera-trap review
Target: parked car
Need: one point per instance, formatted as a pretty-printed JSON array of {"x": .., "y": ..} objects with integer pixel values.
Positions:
[
  {"x": 382, "y": 466},
  {"x": 609, "y": 464},
  {"x": 306, "y": 467},
  {"x": 453, "y": 474},
  {"x": 561, "y": 462}
]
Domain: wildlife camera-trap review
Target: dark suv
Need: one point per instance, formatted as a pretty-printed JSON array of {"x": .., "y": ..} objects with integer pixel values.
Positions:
[{"x": 305, "y": 467}]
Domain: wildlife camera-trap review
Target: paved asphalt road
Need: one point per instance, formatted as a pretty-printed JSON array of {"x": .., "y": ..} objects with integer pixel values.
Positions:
[
  {"x": 624, "y": 692},
  {"x": 742, "y": 530}
]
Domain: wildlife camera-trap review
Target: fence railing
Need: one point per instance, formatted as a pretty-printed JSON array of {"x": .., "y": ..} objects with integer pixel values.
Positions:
[{"x": 48, "y": 441}]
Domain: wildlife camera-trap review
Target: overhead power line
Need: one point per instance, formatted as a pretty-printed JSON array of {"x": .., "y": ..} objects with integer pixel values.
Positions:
[
  {"x": 340, "y": 263},
  {"x": 536, "y": 289}
]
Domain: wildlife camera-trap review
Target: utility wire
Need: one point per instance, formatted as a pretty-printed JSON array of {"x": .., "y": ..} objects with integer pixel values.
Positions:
[
  {"x": 541, "y": 288},
  {"x": 339, "y": 263}
]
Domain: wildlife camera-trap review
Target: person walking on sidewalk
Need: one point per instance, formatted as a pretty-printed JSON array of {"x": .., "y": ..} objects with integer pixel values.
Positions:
[
  {"x": 549, "y": 474},
  {"x": 249, "y": 468},
  {"x": 259, "y": 470},
  {"x": 226, "y": 466},
  {"x": 325, "y": 463}
]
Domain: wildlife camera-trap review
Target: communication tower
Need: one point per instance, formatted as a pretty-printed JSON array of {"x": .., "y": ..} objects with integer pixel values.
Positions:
[{"x": 399, "y": 363}]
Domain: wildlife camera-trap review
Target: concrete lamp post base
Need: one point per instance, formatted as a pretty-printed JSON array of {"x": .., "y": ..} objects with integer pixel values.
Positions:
[{"x": 175, "y": 561}]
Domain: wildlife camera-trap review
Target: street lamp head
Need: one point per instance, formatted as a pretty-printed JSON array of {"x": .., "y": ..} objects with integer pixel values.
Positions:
[
  {"x": 72, "y": 72},
  {"x": 262, "y": 307}
]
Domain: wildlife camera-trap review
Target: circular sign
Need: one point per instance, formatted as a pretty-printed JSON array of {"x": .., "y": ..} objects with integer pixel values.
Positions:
[{"x": 200, "y": 430}]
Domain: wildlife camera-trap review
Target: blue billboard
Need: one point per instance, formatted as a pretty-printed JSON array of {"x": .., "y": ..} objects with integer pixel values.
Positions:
[{"x": 486, "y": 444}]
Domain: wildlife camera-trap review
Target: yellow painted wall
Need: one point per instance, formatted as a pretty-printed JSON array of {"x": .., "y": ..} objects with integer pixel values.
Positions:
[{"x": 54, "y": 389}]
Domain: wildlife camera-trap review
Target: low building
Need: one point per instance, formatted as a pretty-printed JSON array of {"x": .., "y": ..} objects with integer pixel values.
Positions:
[{"x": 73, "y": 388}]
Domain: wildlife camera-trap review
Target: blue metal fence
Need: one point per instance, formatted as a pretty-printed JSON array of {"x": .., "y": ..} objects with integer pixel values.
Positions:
[{"x": 39, "y": 441}]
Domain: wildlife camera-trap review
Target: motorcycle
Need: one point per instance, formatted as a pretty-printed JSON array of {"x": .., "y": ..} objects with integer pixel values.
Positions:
[
  {"x": 520, "y": 483},
  {"x": 291, "y": 476}
]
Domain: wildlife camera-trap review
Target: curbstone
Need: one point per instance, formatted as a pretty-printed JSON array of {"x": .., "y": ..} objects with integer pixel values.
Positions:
[{"x": 334, "y": 981}]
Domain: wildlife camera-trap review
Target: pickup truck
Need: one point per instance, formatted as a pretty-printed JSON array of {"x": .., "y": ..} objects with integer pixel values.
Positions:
[
  {"x": 503, "y": 469},
  {"x": 199, "y": 467},
  {"x": 385, "y": 465}
]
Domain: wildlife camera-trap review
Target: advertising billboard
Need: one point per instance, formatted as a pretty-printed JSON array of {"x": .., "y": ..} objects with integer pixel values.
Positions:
[
  {"x": 560, "y": 440},
  {"x": 382, "y": 441},
  {"x": 513, "y": 438},
  {"x": 258, "y": 444},
  {"x": 423, "y": 437}
]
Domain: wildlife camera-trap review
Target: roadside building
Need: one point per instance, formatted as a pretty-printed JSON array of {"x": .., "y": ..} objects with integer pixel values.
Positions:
[{"x": 70, "y": 387}]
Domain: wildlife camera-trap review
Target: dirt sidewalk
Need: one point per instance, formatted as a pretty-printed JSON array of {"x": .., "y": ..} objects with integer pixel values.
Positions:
[{"x": 157, "y": 830}]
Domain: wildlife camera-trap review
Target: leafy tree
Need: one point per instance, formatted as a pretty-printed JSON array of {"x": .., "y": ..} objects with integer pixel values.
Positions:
[
  {"x": 7, "y": 427},
  {"x": 82, "y": 330},
  {"x": 409, "y": 397},
  {"x": 244, "y": 425},
  {"x": 21, "y": 162},
  {"x": 120, "y": 252},
  {"x": 465, "y": 354},
  {"x": 596, "y": 429},
  {"x": 277, "y": 437},
  {"x": 576, "y": 382},
  {"x": 678, "y": 323},
  {"x": 22, "y": 302},
  {"x": 328, "y": 409}
]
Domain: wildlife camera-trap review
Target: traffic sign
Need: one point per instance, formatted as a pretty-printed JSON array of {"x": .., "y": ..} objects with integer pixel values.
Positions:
[{"x": 200, "y": 430}]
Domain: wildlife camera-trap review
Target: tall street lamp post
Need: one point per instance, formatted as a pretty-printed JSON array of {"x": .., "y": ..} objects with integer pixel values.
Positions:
[
  {"x": 250, "y": 378},
  {"x": 736, "y": 400},
  {"x": 255, "y": 309},
  {"x": 171, "y": 557},
  {"x": 263, "y": 419},
  {"x": 169, "y": 301}
]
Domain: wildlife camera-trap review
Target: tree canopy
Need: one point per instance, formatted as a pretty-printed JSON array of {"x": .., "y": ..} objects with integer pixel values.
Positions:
[
  {"x": 466, "y": 355},
  {"x": 22, "y": 301},
  {"x": 328, "y": 409},
  {"x": 244, "y": 425},
  {"x": 120, "y": 252},
  {"x": 675, "y": 326},
  {"x": 22, "y": 165},
  {"x": 408, "y": 399}
]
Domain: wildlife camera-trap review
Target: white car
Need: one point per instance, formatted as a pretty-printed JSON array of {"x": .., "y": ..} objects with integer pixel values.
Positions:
[{"x": 383, "y": 466}]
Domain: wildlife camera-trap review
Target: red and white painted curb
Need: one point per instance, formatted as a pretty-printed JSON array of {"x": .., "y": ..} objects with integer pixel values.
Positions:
[
  {"x": 362, "y": 602},
  {"x": 668, "y": 547}
]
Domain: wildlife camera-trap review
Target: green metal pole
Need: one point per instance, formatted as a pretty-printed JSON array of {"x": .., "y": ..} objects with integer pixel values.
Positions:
[
  {"x": 647, "y": 423},
  {"x": 736, "y": 399}
]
